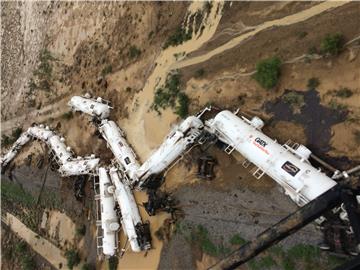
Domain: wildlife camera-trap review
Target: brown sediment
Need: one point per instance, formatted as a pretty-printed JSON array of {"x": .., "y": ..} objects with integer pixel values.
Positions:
[
  {"x": 151, "y": 259},
  {"x": 61, "y": 228}
]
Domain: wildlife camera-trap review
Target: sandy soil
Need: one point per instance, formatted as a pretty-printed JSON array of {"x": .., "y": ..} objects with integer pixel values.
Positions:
[
  {"x": 61, "y": 229},
  {"x": 42, "y": 246}
]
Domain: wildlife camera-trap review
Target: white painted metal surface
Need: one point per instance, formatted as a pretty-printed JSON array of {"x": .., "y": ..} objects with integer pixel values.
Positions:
[
  {"x": 10, "y": 155},
  {"x": 68, "y": 164},
  {"x": 123, "y": 153},
  {"x": 300, "y": 180},
  {"x": 81, "y": 166},
  {"x": 109, "y": 219},
  {"x": 172, "y": 148},
  {"x": 95, "y": 107},
  {"x": 130, "y": 215}
]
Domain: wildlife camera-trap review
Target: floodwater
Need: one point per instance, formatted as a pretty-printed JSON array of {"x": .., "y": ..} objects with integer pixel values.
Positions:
[
  {"x": 288, "y": 20},
  {"x": 146, "y": 129},
  {"x": 151, "y": 260},
  {"x": 40, "y": 245}
]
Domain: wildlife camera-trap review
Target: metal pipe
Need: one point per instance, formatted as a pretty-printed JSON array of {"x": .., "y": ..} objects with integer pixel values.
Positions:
[
  {"x": 323, "y": 163},
  {"x": 282, "y": 229}
]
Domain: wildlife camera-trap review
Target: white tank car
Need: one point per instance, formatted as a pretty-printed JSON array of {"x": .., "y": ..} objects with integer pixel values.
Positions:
[
  {"x": 109, "y": 219},
  {"x": 288, "y": 167},
  {"x": 68, "y": 165},
  {"x": 80, "y": 166},
  {"x": 123, "y": 153},
  {"x": 174, "y": 145},
  {"x": 40, "y": 132},
  {"x": 130, "y": 216},
  {"x": 59, "y": 149},
  {"x": 10, "y": 155},
  {"x": 94, "y": 107}
]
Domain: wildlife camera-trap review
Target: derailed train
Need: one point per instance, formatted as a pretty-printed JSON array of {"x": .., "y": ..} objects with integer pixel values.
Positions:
[{"x": 288, "y": 165}]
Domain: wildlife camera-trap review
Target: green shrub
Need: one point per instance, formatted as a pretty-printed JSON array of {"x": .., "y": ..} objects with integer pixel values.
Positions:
[
  {"x": 134, "y": 52},
  {"x": 183, "y": 108},
  {"x": 80, "y": 231},
  {"x": 6, "y": 140},
  {"x": 332, "y": 44},
  {"x": 268, "y": 72},
  {"x": 343, "y": 92},
  {"x": 27, "y": 262},
  {"x": 106, "y": 70},
  {"x": 313, "y": 83},
  {"x": 178, "y": 37},
  {"x": 16, "y": 133},
  {"x": 73, "y": 258}
]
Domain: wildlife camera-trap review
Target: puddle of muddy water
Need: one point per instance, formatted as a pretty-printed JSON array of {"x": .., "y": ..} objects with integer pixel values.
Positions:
[{"x": 142, "y": 260}]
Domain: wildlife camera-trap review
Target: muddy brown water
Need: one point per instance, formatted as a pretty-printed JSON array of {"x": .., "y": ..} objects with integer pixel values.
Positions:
[{"x": 317, "y": 121}]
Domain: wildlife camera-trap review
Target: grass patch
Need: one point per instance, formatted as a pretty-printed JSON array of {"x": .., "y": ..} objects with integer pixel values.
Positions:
[
  {"x": 332, "y": 44},
  {"x": 313, "y": 83},
  {"x": 294, "y": 99},
  {"x": 170, "y": 96},
  {"x": 268, "y": 72},
  {"x": 178, "y": 37},
  {"x": 8, "y": 140},
  {"x": 343, "y": 92},
  {"x": 134, "y": 52},
  {"x": 43, "y": 73},
  {"x": 11, "y": 192},
  {"x": 236, "y": 239},
  {"x": 72, "y": 257},
  {"x": 201, "y": 237},
  {"x": 22, "y": 252},
  {"x": 265, "y": 262},
  {"x": 337, "y": 106},
  {"x": 106, "y": 70}
]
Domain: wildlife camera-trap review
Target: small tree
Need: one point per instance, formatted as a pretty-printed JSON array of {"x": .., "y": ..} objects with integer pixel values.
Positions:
[
  {"x": 183, "y": 108},
  {"x": 332, "y": 44},
  {"x": 313, "y": 83},
  {"x": 268, "y": 72},
  {"x": 72, "y": 257}
]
